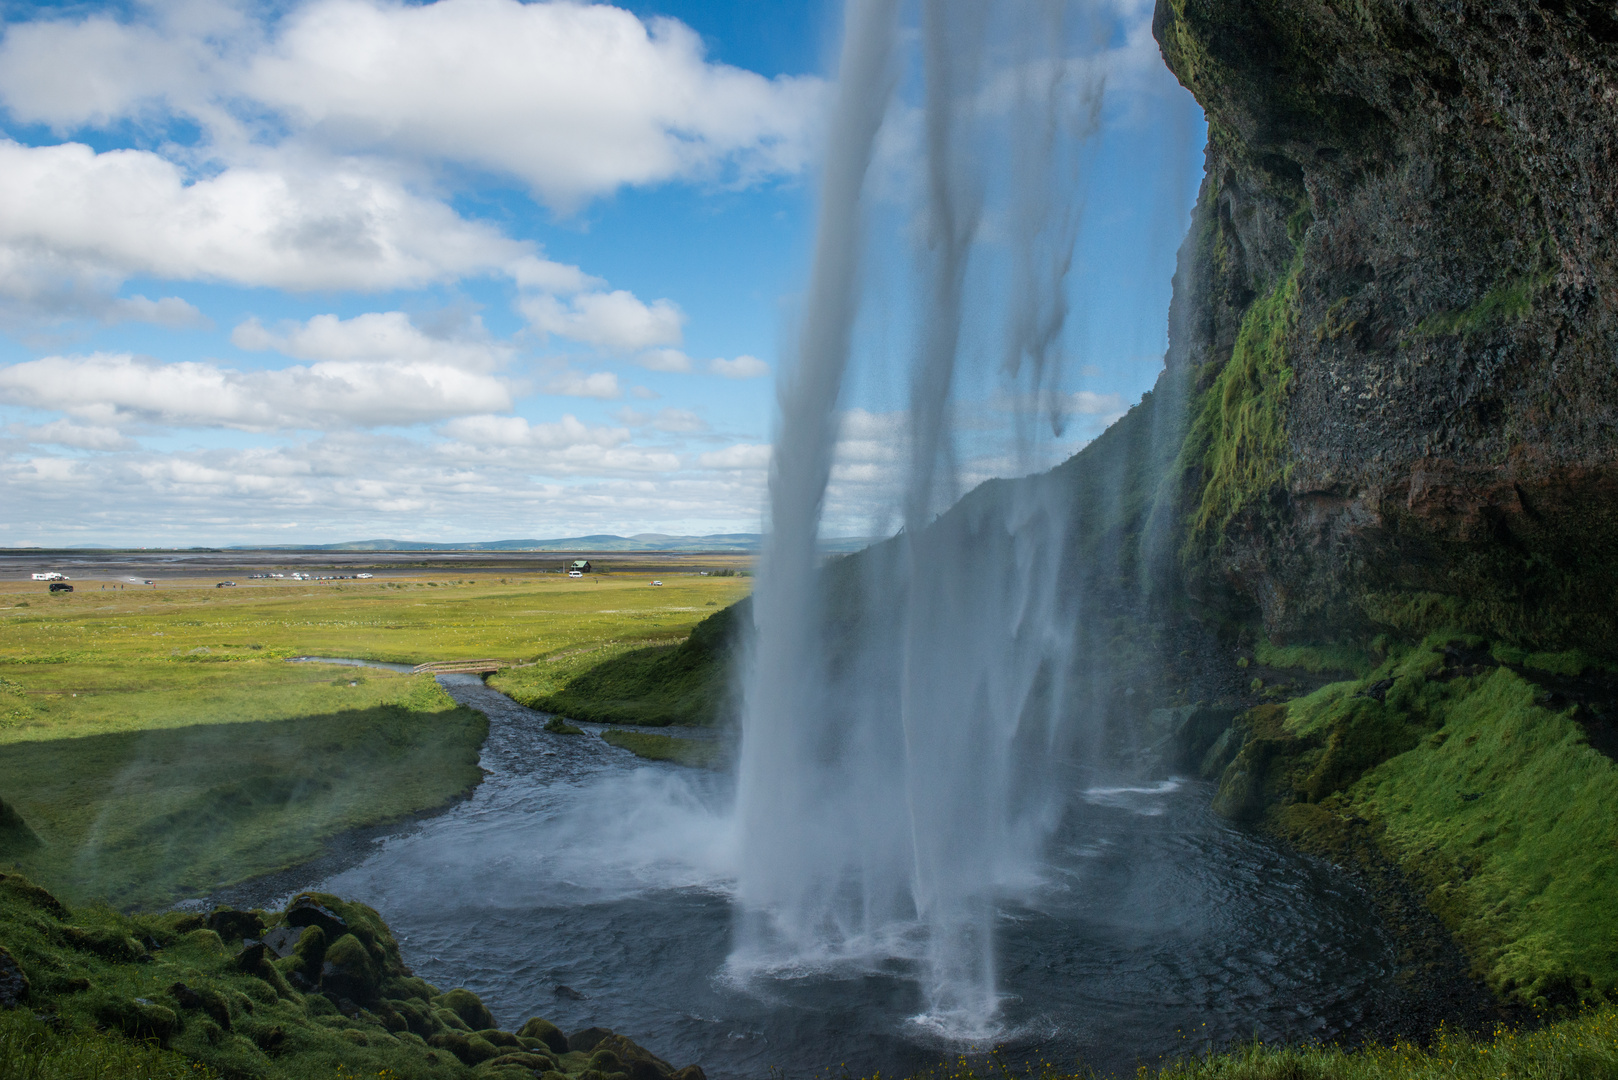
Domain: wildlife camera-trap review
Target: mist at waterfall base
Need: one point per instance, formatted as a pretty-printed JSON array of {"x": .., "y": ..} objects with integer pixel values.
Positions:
[
  {"x": 1155, "y": 929},
  {"x": 904, "y": 715}
]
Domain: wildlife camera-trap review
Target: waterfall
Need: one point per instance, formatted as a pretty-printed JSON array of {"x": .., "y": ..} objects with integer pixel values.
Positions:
[{"x": 902, "y": 711}]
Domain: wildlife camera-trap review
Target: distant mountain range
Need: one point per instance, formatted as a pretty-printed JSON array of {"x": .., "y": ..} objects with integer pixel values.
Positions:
[{"x": 737, "y": 542}]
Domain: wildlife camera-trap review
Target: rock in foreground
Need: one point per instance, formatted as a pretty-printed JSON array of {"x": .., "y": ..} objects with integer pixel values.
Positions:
[{"x": 291, "y": 993}]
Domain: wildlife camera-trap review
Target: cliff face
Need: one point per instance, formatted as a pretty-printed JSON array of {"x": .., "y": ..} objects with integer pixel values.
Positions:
[{"x": 1398, "y": 315}]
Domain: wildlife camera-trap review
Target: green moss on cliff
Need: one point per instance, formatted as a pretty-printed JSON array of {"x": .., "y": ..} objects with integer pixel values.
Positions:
[
  {"x": 1506, "y": 303},
  {"x": 1314, "y": 659},
  {"x": 1549, "y": 613},
  {"x": 1238, "y": 431}
]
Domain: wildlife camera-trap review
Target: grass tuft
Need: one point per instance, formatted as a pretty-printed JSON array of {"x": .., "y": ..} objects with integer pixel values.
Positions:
[{"x": 701, "y": 753}]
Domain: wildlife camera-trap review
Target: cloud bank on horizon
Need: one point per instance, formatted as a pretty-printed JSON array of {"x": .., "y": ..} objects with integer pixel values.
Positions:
[{"x": 345, "y": 267}]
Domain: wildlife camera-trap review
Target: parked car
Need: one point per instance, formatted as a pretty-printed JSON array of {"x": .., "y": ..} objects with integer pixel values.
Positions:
[
  {"x": 657, "y": 583},
  {"x": 61, "y": 586},
  {"x": 575, "y": 573},
  {"x": 225, "y": 585}
]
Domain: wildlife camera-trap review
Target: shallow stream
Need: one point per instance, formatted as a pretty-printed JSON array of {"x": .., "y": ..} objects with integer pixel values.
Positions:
[{"x": 1157, "y": 928}]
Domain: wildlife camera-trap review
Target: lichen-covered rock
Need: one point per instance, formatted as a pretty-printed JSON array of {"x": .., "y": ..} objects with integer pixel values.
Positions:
[
  {"x": 348, "y": 970},
  {"x": 307, "y": 954},
  {"x": 306, "y": 909},
  {"x": 206, "y": 1000},
  {"x": 138, "y": 1018},
  {"x": 585, "y": 1040},
  {"x": 417, "y": 1017},
  {"x": 255, "y": 960},
  {"x": 15, "y": 885},
  {"x": 617, "y": 1053},
  {"x": 232, "y": 925},
  {"x": 467, "y": 1006},
  {"x": 110, "y": 944},
  {"x": 168, "y": 978},
  {"x": 604, "y": 1060},
  {"x": 469, "y": 1048},
  {"x": 532, "y": 1062},
  {"x": 501, "y": 1038},
  {"x": 546, "y": 1032}
]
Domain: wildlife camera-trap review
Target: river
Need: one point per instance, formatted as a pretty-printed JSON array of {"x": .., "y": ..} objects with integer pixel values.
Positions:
[{"x": 1156, "y": 927}]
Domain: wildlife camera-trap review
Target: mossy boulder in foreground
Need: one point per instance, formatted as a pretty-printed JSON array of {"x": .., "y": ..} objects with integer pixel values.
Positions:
[{"x": 288, "y": 994}]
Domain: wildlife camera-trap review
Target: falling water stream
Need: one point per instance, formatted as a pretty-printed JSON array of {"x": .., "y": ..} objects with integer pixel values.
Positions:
[{"x": 898, "y": 780}]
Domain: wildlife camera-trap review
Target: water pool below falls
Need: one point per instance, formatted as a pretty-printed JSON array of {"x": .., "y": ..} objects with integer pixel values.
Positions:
[{"x": 1157, "y": 928}]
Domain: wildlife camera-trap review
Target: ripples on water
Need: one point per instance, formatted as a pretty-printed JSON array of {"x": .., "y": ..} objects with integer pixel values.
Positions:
[{"x": 1157, "y": 927}]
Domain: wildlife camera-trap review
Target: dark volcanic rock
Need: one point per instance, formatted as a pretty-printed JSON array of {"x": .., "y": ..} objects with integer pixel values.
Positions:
[
  {"x": 283, "y": 939},
  {"x": 1429, "y": 193},
  {"x": 235, "y": 925},
  {"x": 305, "y": 910}
]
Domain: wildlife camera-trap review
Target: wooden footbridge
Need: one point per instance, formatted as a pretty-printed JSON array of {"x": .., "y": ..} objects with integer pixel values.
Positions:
[{"x": 460, "y": 667}]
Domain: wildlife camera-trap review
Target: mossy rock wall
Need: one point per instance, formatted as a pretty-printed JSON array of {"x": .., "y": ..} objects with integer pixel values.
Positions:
[{"x": 1398, "y": 313}]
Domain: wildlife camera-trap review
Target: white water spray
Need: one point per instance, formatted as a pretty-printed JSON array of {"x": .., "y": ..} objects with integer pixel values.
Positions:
[{"x": 901, "y": 715}]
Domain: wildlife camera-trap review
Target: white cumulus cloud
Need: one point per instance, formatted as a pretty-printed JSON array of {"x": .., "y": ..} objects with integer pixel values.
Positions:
[
  {"x": 88, "y": 219},
  {"x": 596, "y": 384},
  {"x": 374, "y": 336},
  {"x": 670, "y": 360},
  {"x": 78, "y": 436},
  {"x": 743, "y": 367},
  {"x": 671, "y": 420},
  {"x": 741, "y": 456},
  {"x": 612, "y": 320},
  {"x": 107, "y": 388},
  {"x": 575, "y": 100},
  {"x": 517, "y": 431}
]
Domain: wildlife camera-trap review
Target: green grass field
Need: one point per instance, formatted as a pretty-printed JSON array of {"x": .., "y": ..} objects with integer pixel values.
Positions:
[
  {"x": 158, "y": 744},
  {"x": 94, "y": 662}
]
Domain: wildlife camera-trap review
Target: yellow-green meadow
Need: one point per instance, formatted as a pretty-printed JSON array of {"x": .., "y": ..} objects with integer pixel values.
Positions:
[
  {"x": 158, "y": 743},
  {"x": 93, "y": 661}
]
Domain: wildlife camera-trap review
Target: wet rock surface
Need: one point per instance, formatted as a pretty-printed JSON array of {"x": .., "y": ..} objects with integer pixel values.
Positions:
[{"x": 1429, "y": 192}]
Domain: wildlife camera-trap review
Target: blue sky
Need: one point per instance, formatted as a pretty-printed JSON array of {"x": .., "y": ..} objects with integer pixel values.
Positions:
[{"x": 334, "y": 269}]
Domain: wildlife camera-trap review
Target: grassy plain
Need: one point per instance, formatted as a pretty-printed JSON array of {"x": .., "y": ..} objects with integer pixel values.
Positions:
[
  {"x": 93, "y": 662},
  {"x": 157, "y": 743}
]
